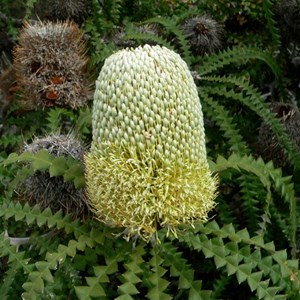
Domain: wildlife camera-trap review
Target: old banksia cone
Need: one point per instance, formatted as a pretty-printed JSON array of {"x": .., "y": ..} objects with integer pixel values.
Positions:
[
  {"x": 147, "y": 167},
  {"x": 54, "y": 192},
  {"x": 268, "y": 145},
  {"x": 50, "y": 65},
  {"x": 54, "y": 10},
  {"x": 204, "y": 34}
]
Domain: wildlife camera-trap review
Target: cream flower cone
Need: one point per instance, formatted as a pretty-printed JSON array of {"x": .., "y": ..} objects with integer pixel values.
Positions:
[{"x": 147, "y": 167}]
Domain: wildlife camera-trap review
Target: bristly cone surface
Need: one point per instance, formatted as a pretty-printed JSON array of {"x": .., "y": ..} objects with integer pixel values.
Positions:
[
  {"x": 268, "y": 145},
  {"x": 204, "y": 34},
  {"x": 54, "y": 10},
  {"x": 147, "y": 167},
  {"x": 50, "y": 63},
  {"x": 54, "y": 192}
]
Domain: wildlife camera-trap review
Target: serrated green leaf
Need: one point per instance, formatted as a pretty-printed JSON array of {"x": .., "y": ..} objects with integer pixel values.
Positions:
[
  {"x": 254, "y": 279},
  {"x": 186, "y": 278},
  {"x": 37, "y": 282},
  {"x": 75, "y": 171},
  {"x": 262, "y": 289},
  {"x": 58, "y": 167},
  {"x": 12, "y": 158},
  {"x": 82, "y": 292},
  {"x": 95, "y": 290},
  {"x": 243, "y": 272},
  {"x": 131, "y": 277},
  {"x": 42, "y": 160},
  {"x": 128, "y": 288},
  {"x": 29, "y": 295},
  {"x": 124, "y": 297},
  {"x": 43, "y": 267},
  {"x": 154, "y": 294},
  {"x": 219, "y": 261},
  {"x": 79, "y": 182},
  {"x": 280, "y": 255}
]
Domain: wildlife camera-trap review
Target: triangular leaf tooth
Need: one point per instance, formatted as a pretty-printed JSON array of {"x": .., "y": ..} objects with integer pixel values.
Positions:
[
  {"x": 128, "y": 288},
  {"x": 262, "y": 289},
  {"x": 219, "y": 262},
  {"x": 42, "y": 160},
  {"x": 124, "y": 297},
  {"x": 37, "y": 282},
  {"x": 186, "y": 279},
  {"x": 229, "y": 229},
  {"x": 82, "y": 292},
  {"x": 243, "y": 272},
  {"x": 244, "y": 234},
  {"x": 280, "y": 255},
  {"x": 31, "y": 295},
  {"x": 58, "y": 167},
  {"x": 254, "y": 279},
  {"x": 12, "y": 158},
  {"x": 154, "y": 294},
  {"x": 95, "y": 290},
  {"x": 213, "y": 225}
]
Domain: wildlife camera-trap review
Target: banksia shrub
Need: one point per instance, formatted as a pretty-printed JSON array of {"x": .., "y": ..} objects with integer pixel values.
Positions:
[
  {"x": 54, "y": 192},
  {"x": 268, "y": 145},
  {"x": 204, "y": 34},
  {"x": 50, "y": 65},
  {"x": 147, "y": 167}
]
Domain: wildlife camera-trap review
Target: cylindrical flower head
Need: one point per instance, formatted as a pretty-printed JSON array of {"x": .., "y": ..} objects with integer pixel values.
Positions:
[{"x": 147, "y": 167}]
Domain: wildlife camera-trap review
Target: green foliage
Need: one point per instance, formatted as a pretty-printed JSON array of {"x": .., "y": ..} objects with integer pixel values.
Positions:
[
  {"x": 155, "y": 271},
  {"x": 172, "y": 29},
  {"x": 267, "y": 5},
  {"x": 29, "y": 7},
  {"x": 69, "y": 168}
]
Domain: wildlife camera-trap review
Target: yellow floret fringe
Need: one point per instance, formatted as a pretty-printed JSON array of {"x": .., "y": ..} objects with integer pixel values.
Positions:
[
  {"x": 147, "y": 168},
  {"x": 145, "y": 193}
]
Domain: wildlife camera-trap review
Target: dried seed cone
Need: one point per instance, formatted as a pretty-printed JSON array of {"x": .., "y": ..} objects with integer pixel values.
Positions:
[
  {"x": 147, "y": 167},
  {"x": 288, "y": 15},
  {"x": 50, "y": 65},
  {"x": 54, "y": 192},
  {"x": 268, "y": 145},
  {"x": 204, "y": 34},
  {"x": 54, "y": 10}
]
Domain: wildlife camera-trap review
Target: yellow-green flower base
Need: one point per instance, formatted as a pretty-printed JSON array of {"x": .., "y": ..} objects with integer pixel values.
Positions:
[{"x": 143, "y": 192}]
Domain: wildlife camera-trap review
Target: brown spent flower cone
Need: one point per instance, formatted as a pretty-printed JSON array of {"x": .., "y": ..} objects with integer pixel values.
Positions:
[
  {"x": 204, "y": 34},
  {"x": 288, "y": 15},
  {"x": 61, "y": 10},
  {"x": 54, "y": 192},
  {"x": 50, "y": 63},
  {"x": 267, "y": 143},
  {"x": 7, "y": 88}
]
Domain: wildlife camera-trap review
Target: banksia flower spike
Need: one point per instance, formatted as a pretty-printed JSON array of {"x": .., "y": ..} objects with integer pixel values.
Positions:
[
  {"x": 147, "y": 167},
  {"x": 50, "y": 65},
  {"x": 54, "y": 192},
  {"x": 204, "y": 34}
]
